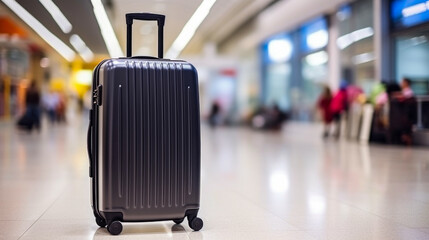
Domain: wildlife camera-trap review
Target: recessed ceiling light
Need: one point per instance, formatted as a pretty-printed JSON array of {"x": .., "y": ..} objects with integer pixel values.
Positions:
[
  {"x": 81, "y": 47},
  {"x": 107, "y": 32},
  {"x": 189, "y": 29},
  {"x": 57, "y": 15},
  {"x": 43, "y": 32}
]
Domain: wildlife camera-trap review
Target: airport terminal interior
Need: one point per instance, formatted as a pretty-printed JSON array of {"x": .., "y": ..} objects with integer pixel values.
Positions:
[{"x": 314, "y": 118}]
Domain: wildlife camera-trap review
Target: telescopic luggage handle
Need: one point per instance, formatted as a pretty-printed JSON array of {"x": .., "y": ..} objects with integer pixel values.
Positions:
[{"x": 147, "y": 17}]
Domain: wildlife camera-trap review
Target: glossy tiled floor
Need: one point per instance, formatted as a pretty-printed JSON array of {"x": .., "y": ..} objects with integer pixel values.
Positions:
[{"x": 289, "y": 185}]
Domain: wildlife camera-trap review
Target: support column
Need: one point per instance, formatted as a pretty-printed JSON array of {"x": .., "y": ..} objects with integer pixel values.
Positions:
[
  {"x": 334, "y": 64},
  {"x": 384, "y": 62}
]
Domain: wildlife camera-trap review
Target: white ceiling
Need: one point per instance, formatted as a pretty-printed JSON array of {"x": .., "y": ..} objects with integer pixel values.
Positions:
[
  {"x": 177, "y": 13},
  {"x": 224, "y": 17},
  {"x": 224, "y": 20},
  {"x": 282, "y": 16}
]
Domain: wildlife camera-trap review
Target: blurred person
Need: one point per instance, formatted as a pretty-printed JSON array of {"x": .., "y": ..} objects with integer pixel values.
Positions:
[
  {"x": 402, "y": 114},
  {"x": 324, "y": 105},
  {"x": 379, "y": 98},
  {"x": 338, "y": 106},
  {"x": 269, "y": 118},
  {"x": 385, "y": 94},
  {"x": 258, "y": 119},
  {"x": 50, "y": 102},
  {"x": 383, "y": 125},
  {"x": 214, "y": 115},
  {"x": 31, "y": 117},
  {"x": 405, "y": 92},
  {"x": 61, "y": 108},
  {"x": 377, "y": 90},
  {"x": 278, "y": 117},
  {"x": 353, "y": 93}
]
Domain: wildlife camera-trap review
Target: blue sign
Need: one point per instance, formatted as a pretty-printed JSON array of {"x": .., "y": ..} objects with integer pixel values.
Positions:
[
  {"x": 408, "y": 13},
  {"x": 314, "y": 35}
]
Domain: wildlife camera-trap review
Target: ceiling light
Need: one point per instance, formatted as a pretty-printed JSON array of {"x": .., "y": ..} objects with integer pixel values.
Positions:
[
  {"x": 77, "y": 42},
  {"x": 350, "y": 38},
  {"x": 189, "y": 29},
  {"x": 107, "y": 32},
  {"x": 279, "y": 50},
  {"x": 362, "y": 34},
  {"x": 317, "y": 58},
  {"x": 57, "y": 15},
  {"x": 363, "y": 58},
  {"x": 318, "y": 39},
  {"x": 81, "y": 47},
  {"x": 43, "y": 32}
]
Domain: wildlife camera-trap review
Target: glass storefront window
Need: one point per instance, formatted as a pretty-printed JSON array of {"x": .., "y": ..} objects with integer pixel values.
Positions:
[
  {"x": 356, "y": 43},
  {"x": 314, "y": 76},
  {"x": 410, "y": 36},
  {"x": 295, "y": 68},
  {"x": 278, "y": 85},
  {"x": 314, "y": 65},
  {"x": 412, "y": 61},
  {"x": 277, "y": 54}
]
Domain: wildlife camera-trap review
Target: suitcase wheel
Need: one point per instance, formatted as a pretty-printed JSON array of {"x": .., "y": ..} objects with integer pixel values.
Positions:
[
  {"x": 100, "y": 221},
  {"x": 196, "y": 224},
  {"x": 178, "y": 221},
  {"x": 115, "y": 228}
]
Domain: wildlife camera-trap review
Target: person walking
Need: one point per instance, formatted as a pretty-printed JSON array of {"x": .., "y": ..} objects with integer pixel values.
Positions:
[
  {"x": 324, "y": 105},
  {"x": 339, "y": 105},
  {"x": 31, "y": 117}
]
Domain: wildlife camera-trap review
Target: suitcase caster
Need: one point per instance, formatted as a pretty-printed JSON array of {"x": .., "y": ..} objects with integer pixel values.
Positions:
[
  {"x": 196, "y": 224},
  {"x": 115, "y": 228},
  {"x": 178, "y": 221},
  {"x": 100, "y": 222}
]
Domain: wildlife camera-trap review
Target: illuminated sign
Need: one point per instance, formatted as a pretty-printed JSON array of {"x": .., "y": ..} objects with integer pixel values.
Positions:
[{"x": 408, "y": 13}]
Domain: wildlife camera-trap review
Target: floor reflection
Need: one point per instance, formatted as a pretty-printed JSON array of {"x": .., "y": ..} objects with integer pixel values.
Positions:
[{"x": 255, "y": 185}]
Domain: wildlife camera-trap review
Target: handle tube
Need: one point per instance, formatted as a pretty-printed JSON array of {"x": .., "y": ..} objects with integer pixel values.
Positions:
[{"x": 145, "y": 17}]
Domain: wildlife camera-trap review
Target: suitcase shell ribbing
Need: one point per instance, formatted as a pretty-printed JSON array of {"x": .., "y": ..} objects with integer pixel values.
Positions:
[{"x": 148, "y": 139}]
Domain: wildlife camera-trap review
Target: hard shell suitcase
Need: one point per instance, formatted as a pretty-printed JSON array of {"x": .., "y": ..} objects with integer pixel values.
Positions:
[{"x": 144, "y": 138}]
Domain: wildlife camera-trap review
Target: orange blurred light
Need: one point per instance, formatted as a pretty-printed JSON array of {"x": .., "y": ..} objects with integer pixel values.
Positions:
[{"x": 8, "y": 26}]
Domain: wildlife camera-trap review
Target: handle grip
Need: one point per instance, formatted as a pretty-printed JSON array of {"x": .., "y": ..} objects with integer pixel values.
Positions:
[{"x": 146, "y": 17}]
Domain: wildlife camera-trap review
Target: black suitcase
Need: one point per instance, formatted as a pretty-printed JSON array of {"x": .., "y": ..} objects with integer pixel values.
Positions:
[{"x": 144, "y": 138}]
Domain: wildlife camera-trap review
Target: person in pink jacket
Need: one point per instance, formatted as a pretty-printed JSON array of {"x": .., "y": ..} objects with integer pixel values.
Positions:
[{"x": 339, "y": 106}]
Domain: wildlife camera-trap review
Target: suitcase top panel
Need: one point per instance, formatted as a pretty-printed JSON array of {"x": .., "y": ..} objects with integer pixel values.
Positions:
[{"x": 124, "y": 62}]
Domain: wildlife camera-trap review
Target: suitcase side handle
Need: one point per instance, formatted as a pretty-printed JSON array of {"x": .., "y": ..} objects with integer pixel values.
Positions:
[
  {"x": 89, "y": 144},
  {"x": 146, "y": 17}
]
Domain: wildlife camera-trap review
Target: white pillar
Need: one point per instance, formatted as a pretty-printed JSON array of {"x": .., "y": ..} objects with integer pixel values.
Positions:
[
  {"x": 334, "y": 64},
  {"x": 377, "y": 39}
]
